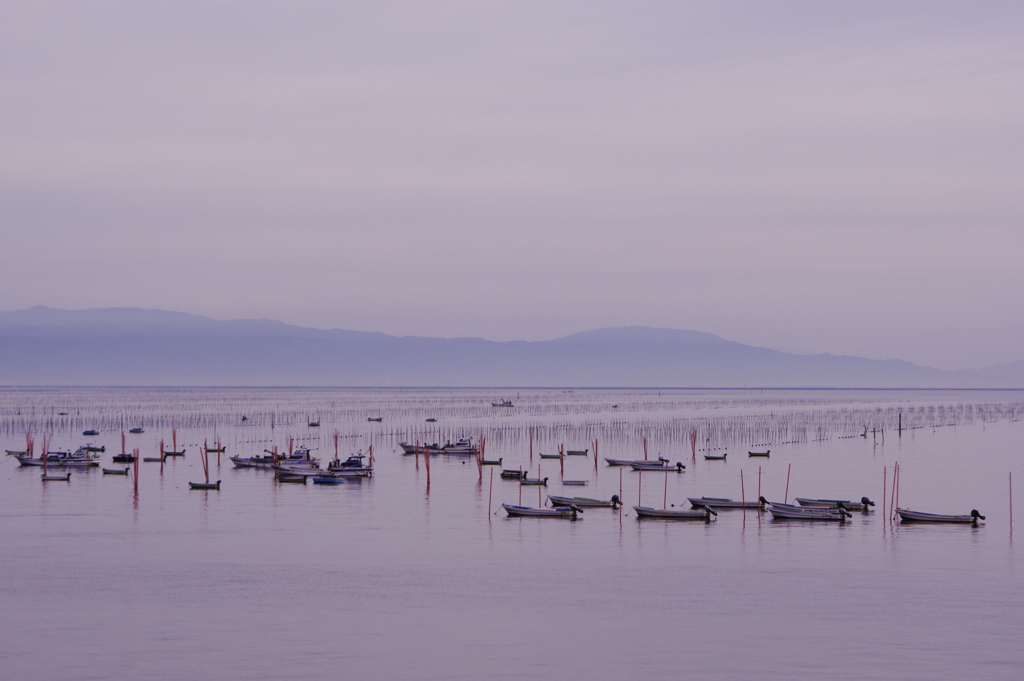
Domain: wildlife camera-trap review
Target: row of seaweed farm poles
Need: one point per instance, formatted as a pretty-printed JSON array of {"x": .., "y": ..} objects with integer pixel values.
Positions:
[{"x": 773, "y": 420}]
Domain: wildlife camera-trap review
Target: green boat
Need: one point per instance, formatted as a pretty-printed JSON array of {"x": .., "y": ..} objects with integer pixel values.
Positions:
[{"x": 204, "y": 485}]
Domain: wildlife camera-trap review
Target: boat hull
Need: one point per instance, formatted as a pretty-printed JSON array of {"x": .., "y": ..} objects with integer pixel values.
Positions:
[
  {"x": 908, "y": 516},
  {"x": 716, "y": 503},
  {"x": 566, "y": 513},
  {"x": 672, "y": 513}
]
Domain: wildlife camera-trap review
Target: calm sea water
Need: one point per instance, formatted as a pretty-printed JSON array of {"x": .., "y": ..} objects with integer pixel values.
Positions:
[{"x": 391, "y": 579}]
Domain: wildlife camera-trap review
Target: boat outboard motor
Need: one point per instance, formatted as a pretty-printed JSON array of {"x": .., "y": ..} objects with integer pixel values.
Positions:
[
  {"x": 977, "y": 516},
  {"x": 616, "y": 502},
  {"x": 662, "y": 459},
  {"x": 763, "y": 501},
  {"x": 710, "y": 510},
  {"x": 842, "y": 510},
  {"x": 867, "y": 502},
  {"x": 680, "y": 467}
]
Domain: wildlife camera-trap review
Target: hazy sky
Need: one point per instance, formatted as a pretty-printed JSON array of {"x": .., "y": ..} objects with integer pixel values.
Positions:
[{"x": 810, "y": 176}]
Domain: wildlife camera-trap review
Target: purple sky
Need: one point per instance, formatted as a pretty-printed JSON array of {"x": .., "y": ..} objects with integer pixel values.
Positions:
[{"x": 806, "y": 176}]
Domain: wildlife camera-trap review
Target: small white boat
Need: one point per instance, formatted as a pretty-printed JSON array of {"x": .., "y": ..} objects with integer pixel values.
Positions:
[
  {"x": 463, "y": 447},
  {"x": 906, "y": 515},
  {"x": 861, "y": 505},
  {"x": 657, "y": 466},
  {"x": 629, "y": 462},
  {"x": 703, "y": 513},
  {"x": 584, "y": 502},
  {"x": 719, "y": 502},
  {"x": 567, "y": 512},
  {"x": 788, "y": 512}
]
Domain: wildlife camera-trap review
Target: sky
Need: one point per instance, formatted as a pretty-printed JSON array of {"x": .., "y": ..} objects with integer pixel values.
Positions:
[{"x": 806, "y": 176}]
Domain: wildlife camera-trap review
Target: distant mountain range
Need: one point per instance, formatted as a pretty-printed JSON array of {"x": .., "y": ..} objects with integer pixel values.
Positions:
[{"x": 127, "y": 346}]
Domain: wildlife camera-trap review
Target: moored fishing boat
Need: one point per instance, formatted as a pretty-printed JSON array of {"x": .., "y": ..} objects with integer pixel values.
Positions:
[
  {"x": 290, "y": 477},
  {"x": 90, "y": 432},
  {"x": 657, "y": 466},
  {"x": 491, "y": 462},
  {"x": 204, "y": 485},
  {"x": 550, "y": 456},
  {"x": 115, "y": 471},
  {"x": 352, "y": 466},
  {"x": 93, "y": 448},
  {"x": 702, "y": 513},
  {"x": 136, "y": 430},
  {"x": 629, "y": 462},
  {"x": 715, "y": 457},
  {"x": 512, "y": 474},
  {"x": 566, "y": 512},
  {"x": 420, "y": 449},
  {"x": 719, "y": 502},
  {"x": 328, "y": 479},
  {"x": 534, "y": 482},
  {"x": 863, "y": 505},
  {"x": 464, "y": 446},
  {"x": 906, "y": 515},
  {"x": 503, "y": 403},
  {"x": 577, "y": 452},
  {"x": 49, "y": 477},
  {"x": 766, "y": 452},
  {"x": 790, "y": 512},
  {"x": 584, "y": 502}
]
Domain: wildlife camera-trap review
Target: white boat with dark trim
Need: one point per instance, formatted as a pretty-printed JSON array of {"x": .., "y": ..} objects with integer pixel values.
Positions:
[
  {"x": 702, "y": 513},
  {"x": 463, "y": 447},
  {"x": 906, "y": 515}
]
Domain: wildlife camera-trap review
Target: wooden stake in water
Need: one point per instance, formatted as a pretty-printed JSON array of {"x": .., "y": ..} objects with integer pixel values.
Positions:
[
  {"x": 539, "y": 504},
  {"x": 490, "y": 493},
  {"x": 1011, "y": 502},
  {"x": 885, "y": 492},
  {"x": 135, "y": 466},
  {"x": 645, "y": 448},
  {"x": 639, "y": 486},
  {"x": 788, "y": 469},
  {"x": 531, "y": 445},
  {"x": 759, "y": 487},
  {"x": 743, "y": 494},
  {"x": 664, "y": 502},
  {"x": 520, "y": 485}
]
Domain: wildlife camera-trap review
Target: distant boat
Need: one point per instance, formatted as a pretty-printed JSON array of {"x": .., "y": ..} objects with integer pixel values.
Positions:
[
  {"x": 431, "y": 420},
  {"x": 209, "y": 450},
  {"x": 352, "y": 466},
  {"x": 174, "y": 453},
  {"x": 764, "y": 453},
  {"x": 539, "y": 481},
  {"x": 551, "y": 456},
  {"x": 93, "y": 448},
  {"x": 702, "y": 513},
  {"x": 491, "y": 462},
  {"x": 575, "y": 483},
  {"x": 576, "y": 452},
  {"x": 115, "y": 471},
  {"x": 584, "y": 502},
  {"x": 314, "y": 424},
  {"x": 719, "y": 502},
  {"x": 566, "y": 512},
  {"x": 290, "y": 477},
  {"x": 906, "y": 515},
  {"x": 90, "y": 432},
  {"x": 512, "y": 474},
  {"x": 136, "y": 430},
  {"x": 503, "y": 403},
  {"x": 715, "y": 457},
  {"x": 124, "y": 457},
  {"x": 46, "y": 477},
  {"x": 377, "y": 419}
]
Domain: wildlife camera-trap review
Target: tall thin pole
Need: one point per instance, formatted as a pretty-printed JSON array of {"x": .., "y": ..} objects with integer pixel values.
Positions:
[
  {"x": 520, "y": 485},
  {"x": 531, "y": 445},
  {"x": 789, "y": 468},
  {"x": 743, "y": 494},
  {"x": 664, "y": 502},
  {"x": 490, "y": 493},
  {"x": 639, "y": 486}
]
